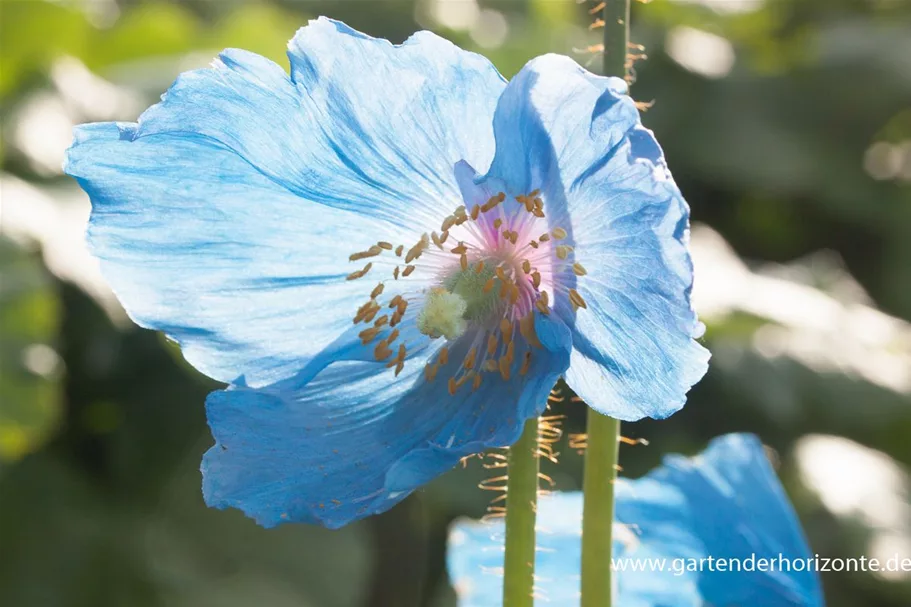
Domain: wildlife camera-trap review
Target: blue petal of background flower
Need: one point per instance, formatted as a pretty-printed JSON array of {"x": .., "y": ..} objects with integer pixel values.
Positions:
[
  {"x": 578, "y": 137},
  {"x": 726, "y": 502}
]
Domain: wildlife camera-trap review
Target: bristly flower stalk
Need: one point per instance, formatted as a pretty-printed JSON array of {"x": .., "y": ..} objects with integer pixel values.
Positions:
[{"x": 603, "y": 432}]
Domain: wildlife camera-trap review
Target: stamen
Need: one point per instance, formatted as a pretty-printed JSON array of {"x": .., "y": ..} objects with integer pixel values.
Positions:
[
  {"x": 461, "y": 249},
  {"x": 395, "y": 273},
  {"x": 503, "y": 365},
  {"x": 377, "y": 291},
  {"x": 371, "y": 252},
  {"x": 360, "y": 273},
  {"x": 436, "y": 240},
  {"x": 468, "y": 363},
  {"x": 479, "y": 268},
  {"x": 579, "y": 270},
  {"x": 476, "y": 381},
  {"x": 382, "y": 320},
  {"x": 444, "y": 236},
  {"x": 453, "y": 386},
  {"x": 475, "y": 211},
  {"x": 534, "y": 244},
  {"x": 384, "y": 245},
  {"x": 544, "y": 237},
  {"x": 536, "y": 279},
  {"x": 392, "y": 337},
  {"x": 463, "y": 261},
  {"x": 497, "y": 223},
  {"x": 559, "y": 233},
  {"x": 490, "y": 365},
  {"x": 526, "y": 266},
  {"x": 430, "y": 372},
  {"x": 527, "y": 329},
  {"x": 408, "y": 270},
  {"x": 381, "y": 352},
  {"x": 563, "y": 251},
  {"x": 506, "y": 329},
  {"x": 444, "y": 355},
  {"x": 577, "y": 300},
  {"x": 492, "y": 344},
  {"x": 399, "y": 249},
  {"x": 488, "y": 285},
  {"x": 368, "y": 335}
]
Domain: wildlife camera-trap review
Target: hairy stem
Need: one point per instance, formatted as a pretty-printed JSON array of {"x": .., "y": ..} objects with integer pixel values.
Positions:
[{"x": 521, "y": 505}]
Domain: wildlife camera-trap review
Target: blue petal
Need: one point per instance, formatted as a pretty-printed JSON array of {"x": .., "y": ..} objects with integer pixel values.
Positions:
[
  {"x": 351, "y": 442},
  {"x": 578, "y": 138},
  {"x": 226, "y": 216},
  {"x": 360, "y": 123},
  {"x": 248, "y": 277},
  {"x": 725, "y": 503}
]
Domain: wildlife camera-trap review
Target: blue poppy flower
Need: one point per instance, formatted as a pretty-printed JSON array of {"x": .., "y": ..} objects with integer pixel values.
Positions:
[
  {"x": 390, "y": 256},
  {"x": 726, "y": 503}
]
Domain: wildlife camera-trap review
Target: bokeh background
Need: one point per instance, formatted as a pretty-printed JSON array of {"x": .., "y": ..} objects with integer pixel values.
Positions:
[{"x": 787, "y": 124}]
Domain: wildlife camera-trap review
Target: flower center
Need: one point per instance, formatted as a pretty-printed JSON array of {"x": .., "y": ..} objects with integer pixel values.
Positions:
[{"x": 492, "y": 268}]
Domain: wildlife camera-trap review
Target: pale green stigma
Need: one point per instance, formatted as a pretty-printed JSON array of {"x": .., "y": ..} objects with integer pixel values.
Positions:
[
  {"x": 469, "y": 284},
  {"x": 442, "y": 315}
]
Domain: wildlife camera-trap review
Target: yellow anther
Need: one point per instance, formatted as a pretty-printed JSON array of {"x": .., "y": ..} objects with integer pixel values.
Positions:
[
  {"x": 408, "y": 270},
  {"x": 490, "y": 364},
  {"x": 475, "y": 211},
  {"x": 527, "y": 329},
  {"x": 394, "y": 302},
  {"x": 453, "y": 386},
  {"x": 545, "y": 298},
  {"x": 396, "y": 318},
  {"x": 513, "y": 293},
  {"x": 544, "y": 237},
  {"x": 399, "y": 249},
  {"x": 395, "y": 273},
  {"x": 497, "y": 223},
  {"x": 460, "y": 211},
  {"x": 542, "y": 307},
  {"x": 492, "y": 342},
  {"x": 579, "y": 270},
  {"x": 526, "y": 363},
  {"x": 536, "y": 279},
  {"x": 503, "y": 365},
  {"x": 447, "y": 223},
  {"x": 371, "y": 252},
  {"x": 559, "y": 233},
  {"x": 534, "y": 193},
  {"x": 436, "y": 240},
  {"x": 534, "y": 244},
  {"x": 381, "y": 352},
  {"x": 576, "y": 299},
  {"x": 444, "y": 236},
  {"x": 506, "y": 329},
  {"x": 384, "y": 245},
  {"x": 563, "y": 251},
  {"x": 430, "y": 372},
  {"x": 382, "y": 320},
  {"x": 392, "y": 337},
  {"x": 368, "y": 335},
  {"x": 444, "y": 355},
  {"x": 377, "y": 291},
  {"x": 488, "y": 285},
  {"x": 460, "y": 249},
  {"x": 371, "y": 313},
  {"x": 511, "y": 351},
  {"x": 504, "y": 288},
  {"x": 463, "y": 261},
  {"x": 479, "y": 267},
  {"x": 526, "y": 266},
  {"x": 360, "y": 273},
  {"x": 538, "y": 211},
  {"x": 476, "y": 381},
  {"x": 468, "y": 363}
]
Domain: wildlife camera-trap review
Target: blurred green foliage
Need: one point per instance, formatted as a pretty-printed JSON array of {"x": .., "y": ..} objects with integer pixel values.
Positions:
[{"x": 102, "y": 425}]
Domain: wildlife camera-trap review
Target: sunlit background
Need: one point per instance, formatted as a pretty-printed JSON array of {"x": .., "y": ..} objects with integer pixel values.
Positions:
[{"x": 787, "y": 125}]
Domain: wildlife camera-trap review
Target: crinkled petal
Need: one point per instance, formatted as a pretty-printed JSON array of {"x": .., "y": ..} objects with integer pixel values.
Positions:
[
  {"x": 360, "y": 123},
  {"x": 577, "y": 137},
  {"x": 351, "y": 442},
  {"x": 725, "y": 503},
  {"x": 226, "y": 216},
  {"x": 249, "y": 278}
]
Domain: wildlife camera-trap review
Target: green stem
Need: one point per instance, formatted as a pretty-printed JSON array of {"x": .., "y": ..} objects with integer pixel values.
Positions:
[
  {"x": 521, "y": 499},
  {"x": 616, "y": 37},
  {"x": 603, "y": 432},
  {"x": 598, "y": 508}
]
